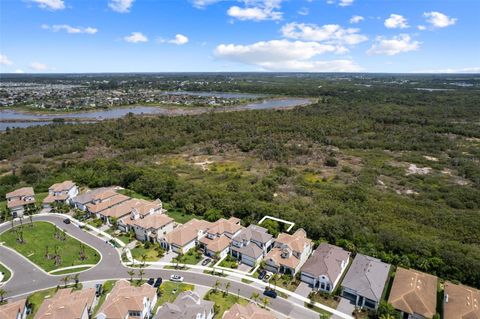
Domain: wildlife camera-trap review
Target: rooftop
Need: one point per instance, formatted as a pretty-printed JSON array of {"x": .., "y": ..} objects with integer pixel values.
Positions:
[
  {"x": 326, "y": 260},
  {"x": 461, "y": 302},
  {"x": 66, "y": 304},
  {"x": 250, "y": 311},
  {"x": 12, "y": 309},
  {"x": 187, "y": 305}
]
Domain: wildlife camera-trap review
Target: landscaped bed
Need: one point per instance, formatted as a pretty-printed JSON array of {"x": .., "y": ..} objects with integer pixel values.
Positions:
[
  {"x": 192, "y": 257},
  {"x": 48, "y": 247}
]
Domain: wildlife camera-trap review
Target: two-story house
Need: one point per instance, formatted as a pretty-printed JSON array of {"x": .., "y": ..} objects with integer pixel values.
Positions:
[
  {"x": 60, "y": 193},
  {"x": 289, "y": 253},
  {"x": 67, "y": 303},
  {"x": 14, "y": 310},
  {"x": 325, "y": 267},
  {"x": 219, "y": 236},
  {"x": 19, "y": 199},
  {"x": 141, "y": 209},
  {"x": 251, "y": 245},
  {"x": 186, "y": 236},
  {"x": 188, "y": 305},
  {"x": 126, "y": 301}
]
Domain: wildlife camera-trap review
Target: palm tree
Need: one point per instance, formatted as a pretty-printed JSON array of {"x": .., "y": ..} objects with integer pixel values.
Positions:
[
  {"x": 144, "y": 258},
  {"x": 255, "y": 295},
  {"x": 265, "y": 302},
  {"x": 217, "y": 284},
  {"x": 141, "y": 272},
  {"x": 65, "y": 280},
  {"x": 227, "y": 286},
  {"x": 3, "y": 292},
  {"x": 131, "y": 272}
]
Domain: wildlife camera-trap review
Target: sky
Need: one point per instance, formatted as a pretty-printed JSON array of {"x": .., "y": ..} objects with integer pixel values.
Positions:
[{"x": 83, "y": 36}]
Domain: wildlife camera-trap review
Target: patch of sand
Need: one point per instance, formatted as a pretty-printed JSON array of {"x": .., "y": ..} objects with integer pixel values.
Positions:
[
  {"x": 414, "y": 169},
  {"x": 431, "y": 158}
]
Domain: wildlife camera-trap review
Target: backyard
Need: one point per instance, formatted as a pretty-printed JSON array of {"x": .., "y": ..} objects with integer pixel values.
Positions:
[{"x": 48, "y": 247}]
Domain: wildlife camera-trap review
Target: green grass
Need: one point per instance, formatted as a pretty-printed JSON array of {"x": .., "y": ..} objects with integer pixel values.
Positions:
[
  {"x": 181, "y": 217},
  {"x": 134, "y": 194},
  {"x": 39, "y": 197},
  {"x": 107, "y": 287},
  {"x": 323, "y": 314},
  {"x": 6, "y": 273},
  {"x": 71, "y": 271},
  {"x": 229, "y": 262},
  {"x": 151, "y": 253},
  {"x": 42, "y": 235},
  {"x": 223, "y": 301},
  {"x": 170, "y": 291},
  {"x": 192, "y": 257}
]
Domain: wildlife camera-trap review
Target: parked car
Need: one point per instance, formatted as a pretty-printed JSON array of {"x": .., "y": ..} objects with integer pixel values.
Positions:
[
  {"x": 270, "y": 293},
  {"x": 151, "y": 281},
  {"x": 98, "y": 289},
  {"x": 176, "y": 278},
  {"x": 66, "y": 220},
  {"x": 262, "y": 274},
  {"x": 206, "y": 262},
  {"x": 267, "y": 276},
  {"x": 158, "y": 282}
]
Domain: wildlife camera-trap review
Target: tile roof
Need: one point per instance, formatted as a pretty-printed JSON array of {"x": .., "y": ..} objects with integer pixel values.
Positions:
[
  {"x": 12, "y": 309},
  {"x": 17, "y": 202},
  {"x": 254, "y": 232},
  {"x": 153, "y": 221},
  {"x": 461, "y": 302},
  {"x": 217, "y": 244},
  {"x": 250, "y": 311},
  {"x": 187, "y": 232},
  {"x": 250, "y": 250},
  {"x": 125, "y": 297},
  {"x": 66, "y": 304},
  {"x": 24, "y": 191},
  {"x": 296, "y": 242},
  {"x": 222, "y": 226},
  {"x": 90, "y": 195},
  {"x": 367, "y": 276},
  {"x": 60, "y": 187},
  {"x": 187, "y": 305},
  {"x": 122, "y": 209},
  {"x": 107, "y": 203},
  {"x": 276, "y": 256},
  {"x": 147, "y": 207},
  {"x": 326, "y": 260},
  {"x": 414, "y": 292}
]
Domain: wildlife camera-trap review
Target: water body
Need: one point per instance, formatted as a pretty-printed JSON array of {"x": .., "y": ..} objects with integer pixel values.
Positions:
[
  {"x": 22, "y": 119},
  {"x": 225, "y": 95}
]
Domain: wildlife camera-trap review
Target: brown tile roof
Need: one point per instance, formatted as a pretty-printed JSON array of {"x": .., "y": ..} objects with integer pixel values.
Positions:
[
  {"x": 276, "y": 255},
  {"x": 88, "y": 197},
  {"x": 60, "y": 187},
  {"x": 147, "y": 207},
  {"x": 12, "y": 309},
  {"x": 122, "y": 209},
  {"x": 326, "y": 260},
  {"x": 19, "y": 202},
  {"x": 296, "y": 242},
  {"x": 125, "y": 297},
  {"x": 187, "y": 232},
  {"x": 217, "y": 244},
  {"x": 414, "y": 292},
  {"x": 250, "y": 311},
  {"x": 461, "y": 302},
  {"x": 153, "y": 221},
  {"x": 24, "y": 191},
  {"x": 222, "y": 226},
  {"x": 66, "y": 304},
  {"x": 104, "y": 193},
  {"x": 107, "y": 203}
]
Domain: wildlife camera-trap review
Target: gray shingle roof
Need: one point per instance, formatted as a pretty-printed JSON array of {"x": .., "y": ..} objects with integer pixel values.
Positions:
[
  {"x": 254, "y": 232},
  {"x": 367, "y": 276},
  {"x": 187, "y": 305}
]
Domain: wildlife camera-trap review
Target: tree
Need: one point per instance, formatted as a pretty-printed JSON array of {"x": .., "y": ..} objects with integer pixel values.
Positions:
[
  {"x": 255, "y": 295},
  {"x": 131, "y": 272},
  {"x": 144, "y": 258},
  {"x": 141, "y": 272},
  {"x": 216, "y": 286},
  {"x": 76, "y": 278},
  {"x": 65, "y": 280},
  {"x": 386, "y": 311},
  {"x": 265, "y": 302},
  {"x": 227, "y": 286}
]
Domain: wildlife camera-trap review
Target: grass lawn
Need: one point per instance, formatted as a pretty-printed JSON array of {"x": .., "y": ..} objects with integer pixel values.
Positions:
[
  {"x": 326, "y": 299},
  {"x": 133, "y": 194},
  {"x": 223, "y": 302},
  {"x": 181, "y": 217},
  {"x": 229, "y": 262},
  {"x": 42, "y": 235},
  {"x": 170, "y": 291},
  {"x": 323, "y": 314},
  {"x": 192, "y": 257},
  {"x": 288, "y": 283},
  {"x": 107, "y": 287},
  {"x": 6, "y": 273},
  {"x": 39, "y": 197},
  {"x": 151, "y": 253},
  {"x": 36, "y": 299},
  {"x": 125, "y": 238}
]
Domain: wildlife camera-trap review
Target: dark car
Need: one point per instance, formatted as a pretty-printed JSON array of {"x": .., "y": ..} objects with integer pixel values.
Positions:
[
  {"x": 98, "y": 289},
  {"x": 262, "y": 274},
  {"x": 270, "y": 293},
  {"x": 206, "y": 262},
  {"x": 66, "y": 220},
  {"x": 158, "y": 282},
  {"x": 151, "y": 281}
]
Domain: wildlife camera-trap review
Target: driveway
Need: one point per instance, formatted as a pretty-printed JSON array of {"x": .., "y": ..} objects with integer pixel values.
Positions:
[
  {"x": 167, "y": 258},
  {"x": 303, "y": 289},
  {"x": 344, "y": 306}
]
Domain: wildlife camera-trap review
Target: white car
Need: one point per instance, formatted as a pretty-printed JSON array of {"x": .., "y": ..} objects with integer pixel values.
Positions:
[{"x": 176, "y": 278}]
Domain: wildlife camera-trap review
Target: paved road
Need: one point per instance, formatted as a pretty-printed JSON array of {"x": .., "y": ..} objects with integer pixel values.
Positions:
[{"x": 27, "y": 277}]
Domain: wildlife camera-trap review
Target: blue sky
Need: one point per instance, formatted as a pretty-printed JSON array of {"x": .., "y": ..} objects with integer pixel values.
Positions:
[{"x": 239, "y": 35}]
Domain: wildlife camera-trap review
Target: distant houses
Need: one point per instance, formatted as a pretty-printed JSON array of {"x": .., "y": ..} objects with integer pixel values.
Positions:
[
  {"x": 325, "y": 267},
  {"x": 18, "y": 200},
  {"x": 365, "y": 281}
]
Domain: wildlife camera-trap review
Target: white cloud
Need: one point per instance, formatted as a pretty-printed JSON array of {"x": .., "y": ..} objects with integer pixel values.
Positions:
[
  {"x": 203, "y": 3},
  {"x": 393, "y": 46},
  {"x": 345, "y": 3},
  {"x": 454, "y": 70},
  {"x": 122, "y": 6},
  {"x": 439, "y": 20},
  {"x": 396, "y": 21},
  {"x": 37, "y": 66},
  {"x": 4, "y": 60},
  {"x": 284, "y": 55},
  {"x": 257, "y": 10},
  {"x": 421, "y": 27},
  {"x": 332, "y": 33},
  {"x": 69, "y": 29},
  {"x": 356, "y": 19},
  {"x": 50, "y": 4},
  {"x": 303, "y": 11},
  {"x": 179, "y": 39},
  {"x": 136, "y": 37}
]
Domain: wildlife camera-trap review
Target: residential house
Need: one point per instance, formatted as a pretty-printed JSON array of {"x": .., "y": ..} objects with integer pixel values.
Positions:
[
  {"x": 365, "y": 281},
  {"x": 250, "y": 311},
  {"x": 141, "y": 209},
  {"x": 68, "y": 304},
  {"x": 251, "y": 244},
  {"x": 14, "y": 310},
  {"x": 153, "y": 227},
  {"x": 81, "y": 201},
  {"x": 188, "y": 305},
  {"x": 219, "y": 236},
  {"x": 414, "y": 294},
  {"x": 461, "y": 302},
  {"x": 325, "y": 267},
  {"x": 100, "y": 204},
  {"x": 186, "y": 236},
  {"x": 126, "y": 301},
  {"x": 60, "y": 193},
  {"x": 289, "y": 253},
  {"x": 19, "y": 199}
]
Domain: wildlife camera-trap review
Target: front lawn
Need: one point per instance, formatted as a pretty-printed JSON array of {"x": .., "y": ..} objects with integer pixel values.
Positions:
[
  {"x": 147, "y": 252},
  {"x": 223, "y": 301},
  {"x": 325, "y": 299},
  {"x": 6, "y": 273},
  {"x": 287, "y": 282},
  {"x": 169, "y": 291},
  {"x": 229, "y": 262},
  {"x": 192, "y": 257},
  {"x": 48, "y": 247}
]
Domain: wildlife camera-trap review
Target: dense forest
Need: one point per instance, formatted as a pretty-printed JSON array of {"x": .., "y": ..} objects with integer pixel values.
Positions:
[{"x": 393, "y": 173}]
